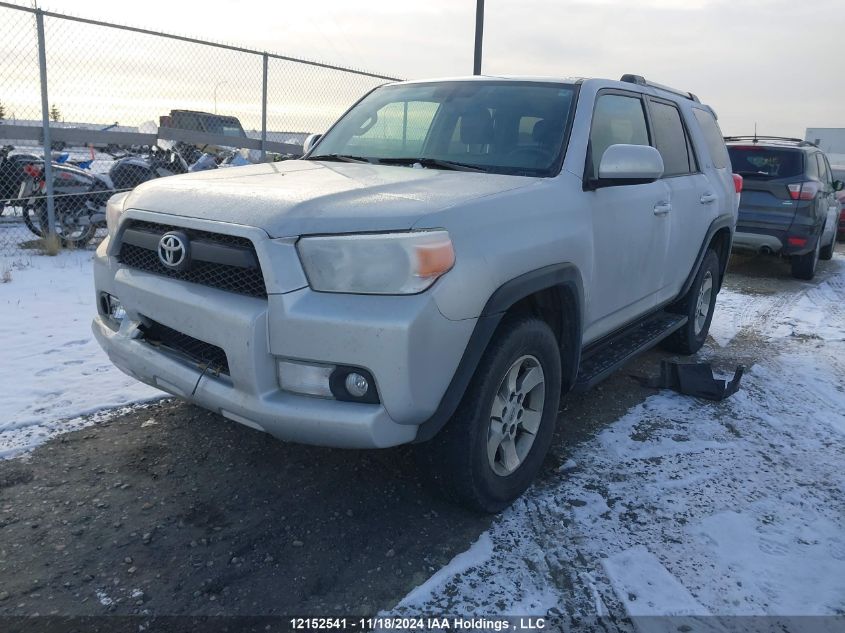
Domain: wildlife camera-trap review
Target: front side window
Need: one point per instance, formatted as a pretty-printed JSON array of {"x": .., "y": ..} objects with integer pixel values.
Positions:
[
  {"x": 670, "y": 139},
  {"x": 617, "y": 119},
  {"x": 509, "y": 127}
]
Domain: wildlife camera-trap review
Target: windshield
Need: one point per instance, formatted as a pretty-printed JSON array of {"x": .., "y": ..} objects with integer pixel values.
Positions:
[
  {"x": 765, "y": 162},
  {"x": 227, "y": 126},
  {"x": 495, "y": 126}
]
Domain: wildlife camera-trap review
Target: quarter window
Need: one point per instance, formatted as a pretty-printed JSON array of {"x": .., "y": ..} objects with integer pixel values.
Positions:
[
  {"x": 670, "y": 139},
  {"x": 616, "y": 119},
  {"x": 713, "y": 137},
  {"x": 813, "y": 170},
  {"x": 824, "y": 175}
]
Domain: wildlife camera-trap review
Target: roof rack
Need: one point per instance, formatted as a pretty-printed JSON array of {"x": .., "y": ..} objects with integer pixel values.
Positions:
[
  {"x": 641, "y": 81},
  {"x": 755, "y": 138}
]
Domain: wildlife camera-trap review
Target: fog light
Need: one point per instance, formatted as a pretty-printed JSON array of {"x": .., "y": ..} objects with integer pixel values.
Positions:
[
  {"x": 116, "y": 310},
  {"x": 356, "y": 385},
  {"x": 305, "y": 378},
  {"x": 112, "y": 307}
]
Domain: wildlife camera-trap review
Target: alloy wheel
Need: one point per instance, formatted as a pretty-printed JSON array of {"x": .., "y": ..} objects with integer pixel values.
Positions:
[{"x": 515, "y": 415}]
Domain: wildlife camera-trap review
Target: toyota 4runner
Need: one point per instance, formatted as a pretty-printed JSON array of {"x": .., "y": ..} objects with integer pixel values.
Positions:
[{"x": 444, "y": 263}]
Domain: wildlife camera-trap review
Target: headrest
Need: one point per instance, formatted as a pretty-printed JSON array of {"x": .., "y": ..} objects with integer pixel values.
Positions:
[{"x": 476, "y": 127}]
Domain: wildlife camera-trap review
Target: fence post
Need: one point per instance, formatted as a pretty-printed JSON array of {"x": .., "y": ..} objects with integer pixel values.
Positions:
[
  {"x": 45, "y": 122},
  {"x": 264, "y": 108}
]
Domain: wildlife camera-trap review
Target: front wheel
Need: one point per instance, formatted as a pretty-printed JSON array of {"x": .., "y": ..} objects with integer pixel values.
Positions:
[
  {"x": 698, "y": 306},
  {"x": 493, "y": 447}
]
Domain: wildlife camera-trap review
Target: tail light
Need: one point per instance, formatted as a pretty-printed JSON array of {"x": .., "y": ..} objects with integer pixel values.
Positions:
[
  {"x": 737, "y": 183},
  {"x": 803, "y": 190}
]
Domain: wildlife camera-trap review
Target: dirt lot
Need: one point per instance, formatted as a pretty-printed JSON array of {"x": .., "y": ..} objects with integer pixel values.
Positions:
[{"x": 173, "y": 510}]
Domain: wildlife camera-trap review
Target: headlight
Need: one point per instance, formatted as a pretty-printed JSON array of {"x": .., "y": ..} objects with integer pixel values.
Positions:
[
  {"x": 114, "y": 209},
  {"x": 385, "y": 263}
]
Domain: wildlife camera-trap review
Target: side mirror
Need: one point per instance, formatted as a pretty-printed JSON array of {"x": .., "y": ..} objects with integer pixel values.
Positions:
[
  {"x": 838, "y": 185},
  {"x": 310, "y": 142},
  {"x": 629, "y": 165}
]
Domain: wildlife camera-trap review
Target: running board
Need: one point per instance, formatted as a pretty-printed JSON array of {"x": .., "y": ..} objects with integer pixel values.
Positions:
[{"x": 603, "y": 358}]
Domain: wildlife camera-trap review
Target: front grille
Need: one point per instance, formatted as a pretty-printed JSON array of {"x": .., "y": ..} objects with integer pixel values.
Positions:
[
  {"x": 204, "y": 354},
  {"x": 244, "y": 276}
]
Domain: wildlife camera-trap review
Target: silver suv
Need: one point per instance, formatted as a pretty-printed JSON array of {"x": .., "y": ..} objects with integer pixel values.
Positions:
[{"x": 440, "y": 267}]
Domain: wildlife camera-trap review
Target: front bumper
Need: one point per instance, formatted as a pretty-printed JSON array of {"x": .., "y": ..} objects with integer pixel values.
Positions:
[{"x": 408, "y": 346}]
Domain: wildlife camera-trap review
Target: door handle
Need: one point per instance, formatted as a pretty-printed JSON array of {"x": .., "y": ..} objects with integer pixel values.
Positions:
[
  {"x": 662, "y": 208},
  {"x": 708, "y": 197}
]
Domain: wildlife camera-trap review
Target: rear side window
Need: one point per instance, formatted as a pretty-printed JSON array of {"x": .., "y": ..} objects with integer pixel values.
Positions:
[
  {"x": 617, "y": 119},
  {"x": 767, "y": 163},
  {"x": 713, "y": 137},
  {"x": 670, "y": 139}
]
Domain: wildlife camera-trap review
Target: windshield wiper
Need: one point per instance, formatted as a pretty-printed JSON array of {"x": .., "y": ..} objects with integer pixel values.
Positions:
[
  {"x": 341, "y": 158},
  {"x": 433, "y": 163}
]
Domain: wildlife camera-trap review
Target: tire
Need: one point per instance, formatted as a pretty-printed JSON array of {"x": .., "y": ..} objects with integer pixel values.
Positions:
[
  {"x": 826, "y": 252},
  {"x": 32, "y": 217},
  {"x": 804, "y": 266},
  {"x": 458, "y": 460},
  {"x": 697, "y": 305},
  {"x": 35, "y": 218}
]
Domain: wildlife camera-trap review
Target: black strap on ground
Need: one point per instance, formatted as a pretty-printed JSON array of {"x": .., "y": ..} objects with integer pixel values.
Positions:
[{"x": 693, "y": 379}]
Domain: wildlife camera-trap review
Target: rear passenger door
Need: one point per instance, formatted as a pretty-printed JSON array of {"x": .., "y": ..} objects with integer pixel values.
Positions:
[{"x": 692, "y": 198}]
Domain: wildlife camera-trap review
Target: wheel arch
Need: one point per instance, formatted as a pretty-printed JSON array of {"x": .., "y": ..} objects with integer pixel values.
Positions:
[
  {"x": 719, "y": 237},
  {"x": 553, "y": 293}
]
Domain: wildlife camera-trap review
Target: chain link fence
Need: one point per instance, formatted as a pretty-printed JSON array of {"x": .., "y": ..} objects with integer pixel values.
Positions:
[{"x": 113, "y": 106}]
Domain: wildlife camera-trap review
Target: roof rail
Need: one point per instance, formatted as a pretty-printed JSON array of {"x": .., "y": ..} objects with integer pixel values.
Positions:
[
  {"x": 641, "y": 81},
  {"x": 754, "y": 138}
]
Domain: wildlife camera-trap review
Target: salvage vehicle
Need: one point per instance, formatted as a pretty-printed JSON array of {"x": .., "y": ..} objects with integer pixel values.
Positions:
[
  {"x": 441, "y": 266},
  {"x": 788, "y": 205}
]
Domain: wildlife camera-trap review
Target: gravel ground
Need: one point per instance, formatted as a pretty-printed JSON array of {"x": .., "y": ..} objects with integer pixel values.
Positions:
[{"x": 172, "y": 510}]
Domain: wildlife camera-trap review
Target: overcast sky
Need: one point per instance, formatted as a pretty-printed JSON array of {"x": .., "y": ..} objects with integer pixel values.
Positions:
[{"x": 774, "y": 62}]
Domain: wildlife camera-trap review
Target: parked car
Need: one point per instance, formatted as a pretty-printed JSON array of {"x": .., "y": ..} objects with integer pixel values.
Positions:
[
  {"x": 206, "y": 123},
  {"x": 446, "y": 262},
  {"x": 788, "y": 205},
  {"x": 839, "y": 174}
]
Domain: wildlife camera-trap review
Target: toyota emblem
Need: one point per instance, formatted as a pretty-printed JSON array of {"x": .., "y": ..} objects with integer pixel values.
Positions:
[{"x": 173, "y": 250}]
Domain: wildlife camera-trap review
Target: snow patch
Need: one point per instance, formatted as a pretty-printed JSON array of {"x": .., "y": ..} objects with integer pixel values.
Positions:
[{"x": 53, "y": 369}]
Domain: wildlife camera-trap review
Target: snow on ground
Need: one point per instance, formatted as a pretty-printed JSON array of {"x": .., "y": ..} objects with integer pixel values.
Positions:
[
  {"x": 687, "y": 508},
  {"x": 52, "y": 369}
]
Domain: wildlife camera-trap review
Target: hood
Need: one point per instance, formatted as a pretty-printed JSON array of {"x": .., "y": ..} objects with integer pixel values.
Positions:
[{"x": 298, "y": 197}]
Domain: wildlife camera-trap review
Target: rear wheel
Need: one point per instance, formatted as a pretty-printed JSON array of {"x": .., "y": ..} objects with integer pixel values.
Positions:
[
  {"x": 490, "y": 451},
  {"x": 804, "y": 266},
  {"x": 697, "y": 305}
]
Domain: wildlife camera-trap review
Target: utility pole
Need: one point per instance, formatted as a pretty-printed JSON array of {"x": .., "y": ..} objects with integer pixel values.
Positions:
[{"x": 479, "y": 34}]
